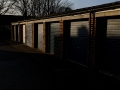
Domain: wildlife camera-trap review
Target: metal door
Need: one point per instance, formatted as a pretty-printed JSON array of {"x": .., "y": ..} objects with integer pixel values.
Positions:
[
  {"x": 55, "y": 39},
  {"x": 112, "y": 61},
  {"x": 79, "y": 42},
  {"x": 29, "y": 35},
  {"x": 40, "y": 36},
  {"x": 23, "y": 33}
]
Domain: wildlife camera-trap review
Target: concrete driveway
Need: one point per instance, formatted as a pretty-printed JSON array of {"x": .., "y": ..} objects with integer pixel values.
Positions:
[{"x": 25, "y": 68}]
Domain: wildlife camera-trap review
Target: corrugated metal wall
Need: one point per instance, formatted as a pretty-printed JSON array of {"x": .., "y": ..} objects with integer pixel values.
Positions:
[
  {"x": 113, "y": 46},
  {"x": 40, "y": 36},
  {"x": 29, "y": 34},
  {"x": 79, "y": 42},
  {"x": 55, "y": 39}
]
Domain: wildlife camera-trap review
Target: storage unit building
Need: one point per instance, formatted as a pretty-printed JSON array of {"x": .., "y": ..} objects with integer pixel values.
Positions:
[{"x": 79, "y": 35}]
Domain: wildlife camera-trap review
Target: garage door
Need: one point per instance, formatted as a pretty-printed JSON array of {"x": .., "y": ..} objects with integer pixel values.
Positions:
[
  {"x": 113, "y": 46},
  {"x": 79, "y": 42},
  {"x": 29, "y": 35},
  {"x": 23, "y": 33},
  {"x": 40, "y": 36},
  {"x": 55, "y": 39}
]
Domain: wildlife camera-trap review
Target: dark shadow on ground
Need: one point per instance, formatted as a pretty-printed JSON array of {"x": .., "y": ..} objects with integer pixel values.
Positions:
[
  {"x": 39, "y": 71},
  {"x": 24, "y": 71}
]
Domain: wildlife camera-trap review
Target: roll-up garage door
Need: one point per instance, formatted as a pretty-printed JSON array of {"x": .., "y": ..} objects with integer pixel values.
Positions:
[
  {"x": 55, "y": 39},
  {"x": 113, "y": 46},
  {"x": 29, "y": 35},
  {"x": 23, "y": 33},
  {"x": 40, "y": 36},
  {"x": 79, "y": 42}
]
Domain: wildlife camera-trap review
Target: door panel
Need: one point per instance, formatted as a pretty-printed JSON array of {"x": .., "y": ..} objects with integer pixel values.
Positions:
[
  {"x": 40, "y": 36},
  {"x": 79, "y": 42}
]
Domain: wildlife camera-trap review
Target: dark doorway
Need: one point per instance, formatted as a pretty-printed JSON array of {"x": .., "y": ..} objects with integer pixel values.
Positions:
[
  {"x": 21, "y": 33},
  {"x": 17, "y": 33},
  {"x": 47, "y": 37},
  {"x": 12, "y": 32},
  {"x": 66, "y": 40},
  {"x": 35, "y": 35},
  {"x": 101, "y": 30}
]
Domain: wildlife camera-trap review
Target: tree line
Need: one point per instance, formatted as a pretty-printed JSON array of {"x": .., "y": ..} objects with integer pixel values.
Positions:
[{"x": 34, "y": 7}]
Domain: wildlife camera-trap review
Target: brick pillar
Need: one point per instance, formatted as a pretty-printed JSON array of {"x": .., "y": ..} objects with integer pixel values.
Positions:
[
  {"x": 44, "y": 36},
  {"x": 33, "y": 35},
  {"x": 25, "y": 33},
  {"x": 61, "y": 37},
  {"x": 92, "y": 41}
]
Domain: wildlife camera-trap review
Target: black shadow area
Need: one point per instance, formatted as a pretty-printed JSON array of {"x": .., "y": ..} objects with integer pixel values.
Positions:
[
  {"x": 39, "y": 71},
  {"x": 79, "y": 45},
  {"x": 24, "y": 71}
]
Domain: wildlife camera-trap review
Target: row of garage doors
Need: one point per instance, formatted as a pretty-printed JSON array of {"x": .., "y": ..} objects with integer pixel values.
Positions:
[{"x": 78, "y": 41}]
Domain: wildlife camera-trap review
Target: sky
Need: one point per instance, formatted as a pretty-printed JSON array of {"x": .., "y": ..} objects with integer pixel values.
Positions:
[
  {"x": 84, "y": 3},
  {"x": 87, "y": 3}
]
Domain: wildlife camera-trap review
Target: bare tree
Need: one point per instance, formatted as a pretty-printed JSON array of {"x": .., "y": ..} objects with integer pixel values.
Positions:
[
  {"x": 42, "y": 7},
  {"x": 5, "y": 6},
  {"x": 21, "y": 6},
  {"x": 60, "y": 6}
]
